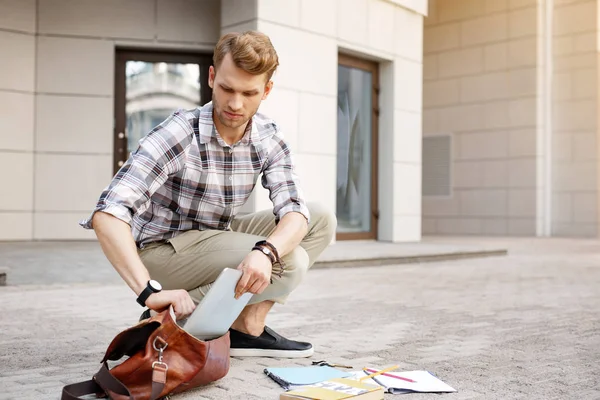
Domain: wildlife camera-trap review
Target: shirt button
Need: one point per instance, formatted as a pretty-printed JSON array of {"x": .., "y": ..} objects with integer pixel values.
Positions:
[
  {"x": 230, "y": 151},
  {"x": 230, "y": 177}
]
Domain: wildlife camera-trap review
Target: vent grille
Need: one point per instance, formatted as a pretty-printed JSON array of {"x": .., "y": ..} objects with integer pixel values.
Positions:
[{"x": 437, "y": 163}]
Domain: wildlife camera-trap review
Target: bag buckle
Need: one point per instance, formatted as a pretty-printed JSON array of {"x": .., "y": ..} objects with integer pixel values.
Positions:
[
  {"x": 160, "y": 352},
  {"x": 163, "y": 344},
  {"x": 165, "y": 366}
]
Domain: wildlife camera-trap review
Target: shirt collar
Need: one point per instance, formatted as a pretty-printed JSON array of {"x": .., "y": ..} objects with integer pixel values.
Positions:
[{"x": 207, "y": 129}]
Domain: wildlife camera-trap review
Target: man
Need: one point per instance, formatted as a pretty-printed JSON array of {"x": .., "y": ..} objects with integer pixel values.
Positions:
[{"x": 170, "y": 213}]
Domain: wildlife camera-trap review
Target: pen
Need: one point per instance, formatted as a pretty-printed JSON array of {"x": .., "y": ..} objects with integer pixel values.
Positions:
[
  {"x": 391, "y": 376},
  {"x": 375, "y": 379}
]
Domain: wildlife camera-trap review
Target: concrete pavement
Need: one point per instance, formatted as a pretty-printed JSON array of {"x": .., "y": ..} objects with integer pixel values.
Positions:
[{"x": 524, "y": 326}]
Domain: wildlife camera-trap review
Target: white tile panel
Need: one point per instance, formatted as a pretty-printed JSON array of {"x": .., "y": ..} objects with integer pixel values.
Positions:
[
  {"x": 189, "y": 20},
  {"x": 16, "y": 226},
  {"x": 70, "y": 182},
  {"x": 131, "y": 19},
  {"x": 317, "y": 133},
  {"x": 54, "y": 132},
  {"x": 18, "y": 61},
  {"x": 75, "y": 66},
  {"x": 16, "y": 121},
  {"x": 18, "y": 15},
  {"x": 17, "y": 181}
]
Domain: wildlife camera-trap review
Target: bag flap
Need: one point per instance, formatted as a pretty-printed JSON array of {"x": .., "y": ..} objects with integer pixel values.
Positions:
[{"x": 130, "y": 340}]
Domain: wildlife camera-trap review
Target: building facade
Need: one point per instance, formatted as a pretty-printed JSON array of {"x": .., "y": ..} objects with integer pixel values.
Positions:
[
  {"x": 82, "y": 80},
  {"x": 510, "y": 127}
]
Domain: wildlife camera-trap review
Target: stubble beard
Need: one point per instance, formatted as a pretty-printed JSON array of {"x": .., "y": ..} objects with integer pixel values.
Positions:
[{"x": 225, "y": 121}]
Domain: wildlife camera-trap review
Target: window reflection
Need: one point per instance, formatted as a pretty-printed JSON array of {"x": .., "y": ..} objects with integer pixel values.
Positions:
[
  {"x": 154, "y": 91},
  {"x": 354, "y": 150}
]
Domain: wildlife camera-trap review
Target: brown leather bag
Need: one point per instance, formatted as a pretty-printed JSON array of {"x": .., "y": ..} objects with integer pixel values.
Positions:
[{"x": 163, "y": 359}]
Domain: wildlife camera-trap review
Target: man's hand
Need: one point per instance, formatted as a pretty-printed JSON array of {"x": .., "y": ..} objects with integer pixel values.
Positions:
[
  {"x": 256, "y": 268},
  {"x": 183, "y": 305}
]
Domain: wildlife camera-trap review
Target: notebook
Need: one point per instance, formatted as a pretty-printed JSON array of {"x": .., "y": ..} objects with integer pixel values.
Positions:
[
  {"x": 290, "y": 377},
  {"x": 406, "y": 382},
  {"x": 335, "y": 389}
]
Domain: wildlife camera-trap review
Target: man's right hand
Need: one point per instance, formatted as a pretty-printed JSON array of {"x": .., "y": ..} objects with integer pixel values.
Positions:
[{"x": 183, "y": 305}]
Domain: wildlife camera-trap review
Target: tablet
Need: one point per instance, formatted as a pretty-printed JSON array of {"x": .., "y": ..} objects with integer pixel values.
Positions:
[{"x": 217, "y": 311}]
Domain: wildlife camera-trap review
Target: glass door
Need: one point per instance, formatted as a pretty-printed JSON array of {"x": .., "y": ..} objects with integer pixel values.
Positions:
[
  {"x": 356, "y": 188},
  {"x": 149, "y": 87}
]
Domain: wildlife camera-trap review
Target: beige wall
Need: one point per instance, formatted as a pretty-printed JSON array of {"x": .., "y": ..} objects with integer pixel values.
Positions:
[
  {"x": 59, "y": 92},
  {"x": 58, "y": 95},
  {"x": 575, "y": 104},
  {"x": 522, "y": 142},
  {"x": 480, "y": 74},
  {"x": 17, "y": 97},
  {"x": 307, "y": 35}
]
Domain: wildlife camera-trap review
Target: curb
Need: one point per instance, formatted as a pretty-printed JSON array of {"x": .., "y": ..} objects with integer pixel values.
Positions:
[{"x": 414, "y": 259}]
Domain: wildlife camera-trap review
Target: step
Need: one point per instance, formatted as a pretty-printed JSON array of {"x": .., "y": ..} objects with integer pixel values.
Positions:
[{"x": 372, "y": 253}]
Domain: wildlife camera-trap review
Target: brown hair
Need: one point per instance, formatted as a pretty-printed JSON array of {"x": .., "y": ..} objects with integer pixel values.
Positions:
[{"x": 251, "y": 51}]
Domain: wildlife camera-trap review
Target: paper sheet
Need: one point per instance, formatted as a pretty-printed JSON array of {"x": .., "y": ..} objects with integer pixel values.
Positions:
[{"x": 425, "y": 382}]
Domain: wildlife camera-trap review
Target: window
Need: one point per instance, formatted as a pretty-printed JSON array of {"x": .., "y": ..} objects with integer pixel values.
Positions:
[
  {"x": 356, "y": 189},
  {"x": 149, "y": 86}
]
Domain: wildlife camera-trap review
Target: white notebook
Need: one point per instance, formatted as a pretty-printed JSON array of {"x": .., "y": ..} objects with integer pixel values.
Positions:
[{"x": 400, "y": 382}]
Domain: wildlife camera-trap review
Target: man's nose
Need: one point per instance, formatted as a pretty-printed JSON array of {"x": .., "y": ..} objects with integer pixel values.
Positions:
[{"x": 235, "y": 103}]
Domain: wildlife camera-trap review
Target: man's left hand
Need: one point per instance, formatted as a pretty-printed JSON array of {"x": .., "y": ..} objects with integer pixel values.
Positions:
[{"x": 256, "y": 268}]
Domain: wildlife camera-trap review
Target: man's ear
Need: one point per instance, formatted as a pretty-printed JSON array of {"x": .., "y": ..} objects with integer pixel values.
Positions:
[
  {"x": 268, "y": 88},
  {"x": 211, "y": 76}
]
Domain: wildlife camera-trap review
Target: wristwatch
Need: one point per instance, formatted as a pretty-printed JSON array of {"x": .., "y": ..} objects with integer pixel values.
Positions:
[{"x": 151, "y": 287}]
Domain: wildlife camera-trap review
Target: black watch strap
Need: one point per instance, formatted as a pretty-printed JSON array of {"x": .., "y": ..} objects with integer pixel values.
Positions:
[
  {"x": 148, "y": 290},
  {"x": 144, "y": 296}
]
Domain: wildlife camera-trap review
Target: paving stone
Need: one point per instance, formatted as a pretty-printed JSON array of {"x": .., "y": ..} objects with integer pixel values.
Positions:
[{"x": 524, "y": 326}]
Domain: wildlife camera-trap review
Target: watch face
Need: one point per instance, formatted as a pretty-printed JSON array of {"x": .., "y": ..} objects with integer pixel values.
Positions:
[{"x": 155, "y": 285}]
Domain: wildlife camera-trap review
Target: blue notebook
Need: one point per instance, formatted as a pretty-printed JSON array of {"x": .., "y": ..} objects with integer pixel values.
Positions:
[{"x": 288, "y": 377}]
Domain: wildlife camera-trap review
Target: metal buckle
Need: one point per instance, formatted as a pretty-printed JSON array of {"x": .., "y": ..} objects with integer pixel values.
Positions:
[
  {"x": 163, "y": 342},
  {"x": 160, "y": 363},
  {"x": 160, "y": 352}
]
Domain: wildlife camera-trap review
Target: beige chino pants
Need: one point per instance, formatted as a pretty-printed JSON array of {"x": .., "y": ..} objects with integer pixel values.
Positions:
[{"x": 194, "y": 259}]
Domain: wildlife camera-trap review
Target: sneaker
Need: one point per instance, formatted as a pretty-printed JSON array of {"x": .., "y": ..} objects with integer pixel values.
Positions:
[{"x": 268, "y": 344}]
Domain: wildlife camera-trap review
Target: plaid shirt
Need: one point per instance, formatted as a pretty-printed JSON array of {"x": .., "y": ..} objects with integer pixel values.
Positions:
[{"x": 183, "y": 176}]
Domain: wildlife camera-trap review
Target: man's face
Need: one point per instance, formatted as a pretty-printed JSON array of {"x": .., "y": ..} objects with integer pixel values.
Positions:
[{"x": 236, "y": 94}]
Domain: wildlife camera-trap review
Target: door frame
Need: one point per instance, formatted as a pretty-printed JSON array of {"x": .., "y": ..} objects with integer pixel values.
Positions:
[
  {"x": 372, "y": 67},
  {"x": 125, "y": 54}
]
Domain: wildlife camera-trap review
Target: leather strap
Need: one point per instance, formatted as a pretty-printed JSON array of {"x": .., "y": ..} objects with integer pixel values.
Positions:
[
  {"x": 76, "y": 390},
  {"x": 159, "y": 378},
  {"x": 269, "y": 253},
  {"x": 271, "y": 247},
  {"x": 110, "y": 383},
  {"x": 104, "y": 381}
]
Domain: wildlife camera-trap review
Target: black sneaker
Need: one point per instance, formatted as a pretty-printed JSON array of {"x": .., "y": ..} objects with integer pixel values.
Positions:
[{"x": 268, "y": 344}]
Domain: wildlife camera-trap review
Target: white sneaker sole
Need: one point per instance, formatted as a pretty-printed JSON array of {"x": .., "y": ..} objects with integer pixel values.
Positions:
[{"x": 271, "y": 353}]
